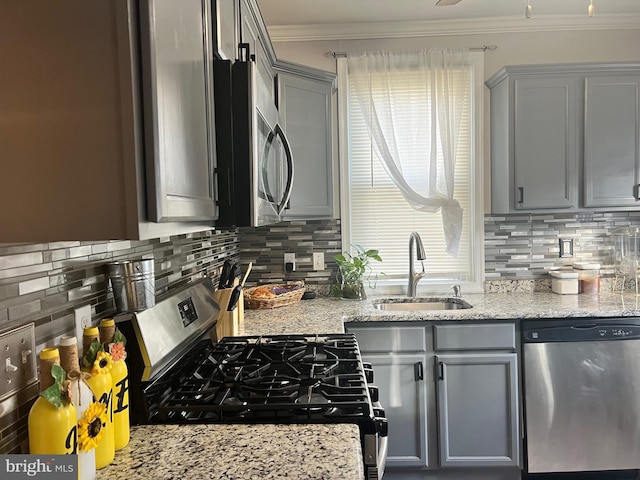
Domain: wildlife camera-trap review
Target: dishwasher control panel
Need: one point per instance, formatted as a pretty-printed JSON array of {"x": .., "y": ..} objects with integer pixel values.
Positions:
[{"x": 581, "y": 332}]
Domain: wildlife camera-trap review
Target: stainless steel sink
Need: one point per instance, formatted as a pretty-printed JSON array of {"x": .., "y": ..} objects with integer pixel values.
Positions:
[{"x": 416, "y": 304}]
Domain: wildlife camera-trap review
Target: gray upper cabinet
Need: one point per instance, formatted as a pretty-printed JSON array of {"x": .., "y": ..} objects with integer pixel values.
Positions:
[
  {"x": 253, "y": 32},
  {"x": 612, "y": 140},
  {"x": 545, "y": 147},
  {"x": 226, "y": 28},
  {"x": 75, "y": 116},
  {"x": 305, "y": 100},
  {"x": 565, "y": 137},
  {"x": 178, "y": 52},
  {"x": 534, "y": 142}
]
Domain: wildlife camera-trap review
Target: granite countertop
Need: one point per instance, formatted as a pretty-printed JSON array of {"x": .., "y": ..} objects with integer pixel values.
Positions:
[
  {"x": 327, "y": 452},
  {"x": 328, "y": 315},
  {"x": 239, "y": 452}
]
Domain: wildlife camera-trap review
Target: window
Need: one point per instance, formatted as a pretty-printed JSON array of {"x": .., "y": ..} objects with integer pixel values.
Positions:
[{"x": 374, "y": 213}]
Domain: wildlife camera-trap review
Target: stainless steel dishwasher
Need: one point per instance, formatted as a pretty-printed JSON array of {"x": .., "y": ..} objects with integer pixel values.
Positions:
[{"x": 582, "y": 394}]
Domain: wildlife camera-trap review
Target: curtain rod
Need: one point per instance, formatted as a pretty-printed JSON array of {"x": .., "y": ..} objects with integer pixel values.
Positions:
[{"x": 483, "y": 48}]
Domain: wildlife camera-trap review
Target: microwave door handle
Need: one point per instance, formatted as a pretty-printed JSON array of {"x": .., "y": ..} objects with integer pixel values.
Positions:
[
  {"x": 265, "y": 191},
  {"x": 287, "y": 150}
]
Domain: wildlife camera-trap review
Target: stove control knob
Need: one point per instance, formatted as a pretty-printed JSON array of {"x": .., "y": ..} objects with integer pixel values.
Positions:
[
  {"x": 374, "y": 393},
  {"x": 379, "y": 412},
  {"x": 368, "y": 374}
]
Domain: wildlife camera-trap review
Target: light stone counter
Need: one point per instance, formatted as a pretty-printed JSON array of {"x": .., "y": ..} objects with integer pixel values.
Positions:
[
  {"x": 328, "y": 315},
  {"x": 327, "y": 452},
  {"x": 239, "y": 452}
]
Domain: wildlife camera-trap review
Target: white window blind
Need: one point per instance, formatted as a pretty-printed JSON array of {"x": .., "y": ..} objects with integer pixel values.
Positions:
[{"x": 378, "y": 216}]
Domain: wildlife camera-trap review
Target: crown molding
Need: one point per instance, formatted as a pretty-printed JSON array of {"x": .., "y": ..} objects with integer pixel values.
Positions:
[{"x": 439, "y": 28}]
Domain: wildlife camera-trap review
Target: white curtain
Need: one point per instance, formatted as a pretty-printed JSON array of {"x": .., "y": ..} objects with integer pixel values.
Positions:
[{"x": 428, "y": 116}]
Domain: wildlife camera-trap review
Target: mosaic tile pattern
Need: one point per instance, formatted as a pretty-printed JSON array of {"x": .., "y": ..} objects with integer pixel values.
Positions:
[
  {"x": 265, "y": 247},
  {"x": 525, "y": 246},
  {"x": 44, "y": 283}
]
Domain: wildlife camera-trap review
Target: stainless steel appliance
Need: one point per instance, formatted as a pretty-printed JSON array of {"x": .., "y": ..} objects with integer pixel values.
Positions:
[
  {"x": 582, "y": 395},
  {"x": 255, "y": 165},
  {"x": 181, "y": 377}
]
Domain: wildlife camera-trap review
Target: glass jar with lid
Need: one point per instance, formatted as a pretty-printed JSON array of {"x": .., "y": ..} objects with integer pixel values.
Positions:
[{"x": 588, "y": 277}]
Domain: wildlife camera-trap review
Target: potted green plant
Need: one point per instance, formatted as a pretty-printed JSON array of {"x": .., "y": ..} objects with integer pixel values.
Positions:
[{"x": 353, "y": 270}]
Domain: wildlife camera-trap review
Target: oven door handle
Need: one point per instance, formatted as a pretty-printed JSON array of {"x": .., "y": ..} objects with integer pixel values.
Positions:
[{"x": 383, "y": 449}]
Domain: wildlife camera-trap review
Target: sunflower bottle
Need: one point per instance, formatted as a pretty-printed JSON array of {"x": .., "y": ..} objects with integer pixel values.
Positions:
[
  {"x": 52, "y": 418},
  {"x": 114, "y": 343},
  {"x": 98, "y": 362},
  {"x": 82, "y": 398}
]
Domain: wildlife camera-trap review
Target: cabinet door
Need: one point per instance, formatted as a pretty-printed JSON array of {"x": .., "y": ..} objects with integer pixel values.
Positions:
[
  {"x": 226, "y": 31},
  {"x": 177, "y": 50},
  {"x": 612, "y": 140},
  {"x": 545, "y": 145},
  {"x": 306, "y": 113},
  {"x": 250, "y": 34},
  {"x": 401, "y": 383},
  {"x": 478, "y": 421}
]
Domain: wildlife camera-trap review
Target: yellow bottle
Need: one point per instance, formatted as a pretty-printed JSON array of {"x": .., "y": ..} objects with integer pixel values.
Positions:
[
  {"x": 101, "y": 385},
  {"x": 120, "y": 377},
  {"x": 52, "y": 430},
  {"x": 82, "y": 396}
]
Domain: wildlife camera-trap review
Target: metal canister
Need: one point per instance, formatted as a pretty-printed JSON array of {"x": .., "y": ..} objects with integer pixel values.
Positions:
[{"x": 133, "y": 283}]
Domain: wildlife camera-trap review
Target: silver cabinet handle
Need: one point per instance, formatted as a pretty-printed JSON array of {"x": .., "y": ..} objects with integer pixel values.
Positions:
[
  {"x": 521, "y": 192},
  {"x": 636, "y": 192}
]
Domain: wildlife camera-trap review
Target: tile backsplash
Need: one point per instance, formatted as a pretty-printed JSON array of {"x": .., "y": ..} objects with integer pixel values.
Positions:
[
  {"x": 44, "y": 283},
  {"x": 265, "y": 247},
  {"x": 525, "y": 246}
]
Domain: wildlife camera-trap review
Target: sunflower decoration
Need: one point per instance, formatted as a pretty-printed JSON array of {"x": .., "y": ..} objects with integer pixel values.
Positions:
[
  {"x": 95, "y": 360},
  {"x": 90, "y": 426},
  {"x": 102, "y": 364}
]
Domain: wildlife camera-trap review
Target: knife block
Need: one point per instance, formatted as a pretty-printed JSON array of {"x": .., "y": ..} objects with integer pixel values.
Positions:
[{"x": 227, "y": 324}]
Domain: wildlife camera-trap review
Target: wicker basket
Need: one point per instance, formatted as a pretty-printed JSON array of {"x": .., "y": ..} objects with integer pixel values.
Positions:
[{"x": 281, "y": 300}]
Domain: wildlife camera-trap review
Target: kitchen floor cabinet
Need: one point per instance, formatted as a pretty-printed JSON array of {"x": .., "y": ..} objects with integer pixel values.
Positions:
[
  {"x": 305, "y": 103},
  {"x": 477, "y": 409},
  {"x": 565, "y": 137},
  {"x": 85, "y": 97},
  {"x": 450, "y": 393}
]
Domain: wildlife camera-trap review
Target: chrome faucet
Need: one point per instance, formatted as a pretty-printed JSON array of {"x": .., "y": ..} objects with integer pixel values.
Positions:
[{"x": 414, "y": 277}]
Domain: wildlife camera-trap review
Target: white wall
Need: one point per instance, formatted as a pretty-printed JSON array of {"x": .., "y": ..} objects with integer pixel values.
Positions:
[{"x": 513, "y": 49}]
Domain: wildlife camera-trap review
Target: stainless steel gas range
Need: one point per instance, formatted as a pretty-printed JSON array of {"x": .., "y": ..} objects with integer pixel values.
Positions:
[{"x": 178, "y": 374}]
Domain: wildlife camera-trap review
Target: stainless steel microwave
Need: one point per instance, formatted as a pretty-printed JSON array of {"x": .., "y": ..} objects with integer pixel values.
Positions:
[{"x": 255, "y": 165}]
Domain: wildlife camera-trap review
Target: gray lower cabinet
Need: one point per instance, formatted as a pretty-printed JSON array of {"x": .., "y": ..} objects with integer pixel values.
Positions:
[
  {"x": 478, "y": 409},
  {"x": 89, "y": 89},
  {"x": 450, "y": 393},
  {"x": 612, "y": 140},
  {"x": 403, "y": 396},
  {"x": 305, "y": 103}
]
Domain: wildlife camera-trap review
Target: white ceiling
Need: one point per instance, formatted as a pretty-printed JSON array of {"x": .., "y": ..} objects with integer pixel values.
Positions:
[{"x": 289, "y": 18}]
